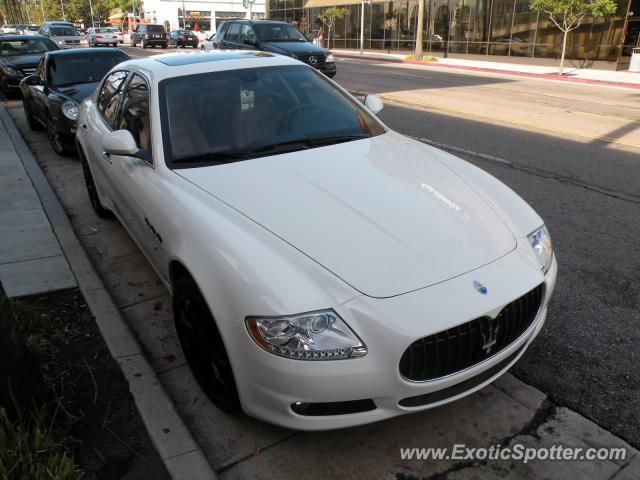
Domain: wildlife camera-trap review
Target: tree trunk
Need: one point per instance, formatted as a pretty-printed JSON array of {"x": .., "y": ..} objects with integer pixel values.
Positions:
[
  {"x": 564, "y": 49},
  {"x": 418, "y": 51}
]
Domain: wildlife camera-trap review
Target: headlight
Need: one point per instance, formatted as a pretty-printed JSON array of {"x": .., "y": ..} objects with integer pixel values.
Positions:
[
  {"x": 541, "y": 243},
  {"x": 70, "y": 109},
  {"x": 60, "y": 42},
  {"x": 310, "y": 336},
  {"x": 330, "y": 58},
  {"x": 12, "y": 71}
]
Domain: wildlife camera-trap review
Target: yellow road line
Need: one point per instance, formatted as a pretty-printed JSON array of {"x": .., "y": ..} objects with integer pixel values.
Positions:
[{"x": 513, "y": 121}]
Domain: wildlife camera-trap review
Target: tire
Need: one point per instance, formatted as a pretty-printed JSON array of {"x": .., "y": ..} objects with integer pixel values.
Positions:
[
  {"x": 133, "y": 43},
  {"x": 91, "y": 189},
  {"x": 144, "y": 44},
  {"x": 164, "y": 45},
  {"x": 203, "y": 346},
  {"x": 34, "y": 125},
  {"x": 202, "y": 48},
  {"x": 55, "y": 140}
]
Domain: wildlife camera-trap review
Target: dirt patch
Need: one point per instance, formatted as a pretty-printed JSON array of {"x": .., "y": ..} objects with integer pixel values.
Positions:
[{"x": 95, "y": 410}]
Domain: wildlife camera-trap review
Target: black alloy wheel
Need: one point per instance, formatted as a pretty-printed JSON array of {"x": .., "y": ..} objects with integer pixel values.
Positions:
[
  {"x": 203, "y": 346},
  {"x": 91, "y": 189},
  {"x": 55, "y": 139},
  {"x": 34, "y": 124}
]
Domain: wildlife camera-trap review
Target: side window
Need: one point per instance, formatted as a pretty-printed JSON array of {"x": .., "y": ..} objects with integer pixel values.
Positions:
[
  {"x": 222, "y": 30},
  {"x": 234, "y": 34},
  {"x": 135, "y": 112},
  {"x": 110, "y": 95},
  {"x": 248, "y": 33}
]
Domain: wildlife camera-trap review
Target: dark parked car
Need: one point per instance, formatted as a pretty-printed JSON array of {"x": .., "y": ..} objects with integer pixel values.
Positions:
[
  {"x": 274, "y": 37},
  {"x": 19, "y": 56},
  {"x": 183, "y": 38},
  {"x": 51, "y": 98},
  {"x": 149, "y": 35}
]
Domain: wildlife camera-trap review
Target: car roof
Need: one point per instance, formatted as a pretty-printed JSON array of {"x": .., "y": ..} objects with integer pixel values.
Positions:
[
  {"x": 14, "y": 36},
  {"x": 169, "y": 65},
  {"x": 79, "y": 52}
]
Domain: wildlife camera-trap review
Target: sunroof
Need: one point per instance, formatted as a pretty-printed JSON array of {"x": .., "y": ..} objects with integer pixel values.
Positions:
[{"x": 191, "y": 58}]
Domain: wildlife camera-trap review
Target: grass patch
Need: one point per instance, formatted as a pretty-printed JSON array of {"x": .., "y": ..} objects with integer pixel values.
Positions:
[
  {"x": 28, "y": 450},
  {"x": 29, "y": 428},
  {"x": 425, "y": 58}
]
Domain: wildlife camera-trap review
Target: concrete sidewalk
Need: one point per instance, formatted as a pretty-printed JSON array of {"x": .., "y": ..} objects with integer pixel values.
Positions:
[
  {"x": 590, "y": 76},
  {"x": 39, "y": 252},
  {"x": 31, "y": 260}
]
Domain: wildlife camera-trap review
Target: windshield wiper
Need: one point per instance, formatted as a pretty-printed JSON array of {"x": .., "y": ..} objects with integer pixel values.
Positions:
[
  {"x": 317, "y": 142},
  {"x": 219, "y": 157}
]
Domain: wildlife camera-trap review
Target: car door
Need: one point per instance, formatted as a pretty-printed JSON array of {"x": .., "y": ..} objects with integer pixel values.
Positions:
[
  {"x": 248, "y": 38},
  {"x": 101, "y": 120},
  {"x": 137, "y": 183}
]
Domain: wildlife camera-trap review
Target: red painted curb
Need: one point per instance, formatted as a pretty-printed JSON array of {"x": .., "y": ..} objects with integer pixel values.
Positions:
[{"x": 546, "y": 76}]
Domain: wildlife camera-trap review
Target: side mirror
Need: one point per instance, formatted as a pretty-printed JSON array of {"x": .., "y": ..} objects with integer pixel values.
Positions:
[
  {"x": 119, "y": 142},
  {"x": 373, "y": 103},
  {"x": 31, "y": 80}
]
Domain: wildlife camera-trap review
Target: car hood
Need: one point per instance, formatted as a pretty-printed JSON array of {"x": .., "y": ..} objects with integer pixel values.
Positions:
[
  {"x": 298, "y": 48},
  {"x": 22, "y": 61},
  {"x": 78, "y": 91},
  {"x": 383, "y": 214}
]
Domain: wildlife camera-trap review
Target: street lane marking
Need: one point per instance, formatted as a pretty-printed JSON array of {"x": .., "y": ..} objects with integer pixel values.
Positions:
[{"x": 513, "y": 121}]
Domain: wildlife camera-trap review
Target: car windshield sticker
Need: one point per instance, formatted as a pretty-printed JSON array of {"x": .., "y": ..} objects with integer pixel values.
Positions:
[{"x": 246, "y": 100}]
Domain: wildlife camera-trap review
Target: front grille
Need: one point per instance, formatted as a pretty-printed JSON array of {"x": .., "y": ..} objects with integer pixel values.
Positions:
[
  {"x": 319, "y": 60},
  {"x": 465, "y": 345},
  {"x": 29, "y": 71},
  {"x": 72, "y": 42}
]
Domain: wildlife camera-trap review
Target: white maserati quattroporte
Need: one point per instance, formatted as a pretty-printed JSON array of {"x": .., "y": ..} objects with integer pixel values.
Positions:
[{"x": 325, "y": 270}]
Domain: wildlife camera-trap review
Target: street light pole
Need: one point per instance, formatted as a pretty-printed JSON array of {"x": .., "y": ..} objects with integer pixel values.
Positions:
[
  {"x": 93, "y": 23},
  {"x": 362, "y": 27},
  {"x": 64, "y": 17},
  {"x": 184, "y": 16}
]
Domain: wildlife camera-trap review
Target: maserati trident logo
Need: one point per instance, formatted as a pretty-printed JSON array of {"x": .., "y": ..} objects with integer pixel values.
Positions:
[
  {"x": 480, "y": 287},
  {"x": 489, "y": 332},
  {"x": 313, "y": 60}
]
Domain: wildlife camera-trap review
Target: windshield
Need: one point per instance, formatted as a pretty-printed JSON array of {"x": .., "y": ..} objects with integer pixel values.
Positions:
[
  {"x": 14, "y": 48},
  {"x": 86, "y": 68},
  {"x": 236, "y": 115},
  {"x": 279, "y": 32},
  {"x": 155, "y": 29},
  {"x": 103, "y": 30},
  {"x": 64, "y": 32}
]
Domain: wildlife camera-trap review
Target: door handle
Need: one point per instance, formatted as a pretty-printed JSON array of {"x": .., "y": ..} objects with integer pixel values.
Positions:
[
  {"x": 107, "y": 156},
  {"x": 83, "y": 126}
]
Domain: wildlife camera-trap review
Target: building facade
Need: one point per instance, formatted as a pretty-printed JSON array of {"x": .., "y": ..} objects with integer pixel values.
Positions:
[
  {"x": 202, "y": 16},
  {"x": 470, "y": 27}
]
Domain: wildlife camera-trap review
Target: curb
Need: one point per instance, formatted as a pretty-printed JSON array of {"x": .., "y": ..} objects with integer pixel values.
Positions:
[
  {"x": 178, "y": 449},
  {"x": 539, "y": 76}
]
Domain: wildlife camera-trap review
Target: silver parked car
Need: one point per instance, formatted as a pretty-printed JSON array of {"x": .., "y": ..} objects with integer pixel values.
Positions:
[
  {"x": 63, "y": 34},
  {"x": 103, "y": 36}
]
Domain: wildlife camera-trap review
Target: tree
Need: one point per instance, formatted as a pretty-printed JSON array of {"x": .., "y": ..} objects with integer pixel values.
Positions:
[
  {"x": 418, "y": 51},
  {"x": 567, "y": 15},
  {"x": 329, "y": 17}
]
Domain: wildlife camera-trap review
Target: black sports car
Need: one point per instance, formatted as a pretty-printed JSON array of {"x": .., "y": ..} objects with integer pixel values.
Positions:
[
  {"x": 19, "y": 55},
  {"x": 51, "y": 98}
]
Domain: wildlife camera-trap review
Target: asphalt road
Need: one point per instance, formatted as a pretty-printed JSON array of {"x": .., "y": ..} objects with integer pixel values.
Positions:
[{"x": 573, "y": 152}]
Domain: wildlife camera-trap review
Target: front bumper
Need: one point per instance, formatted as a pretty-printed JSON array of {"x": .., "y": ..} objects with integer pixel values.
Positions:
[
  {"x": 328, "y": 68},
  {"x": 13, "y": 81},
  {"x": 269, "y": 385}
]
